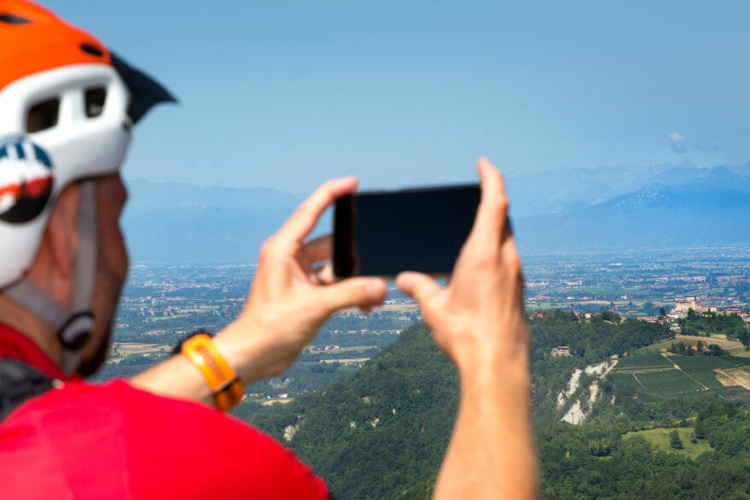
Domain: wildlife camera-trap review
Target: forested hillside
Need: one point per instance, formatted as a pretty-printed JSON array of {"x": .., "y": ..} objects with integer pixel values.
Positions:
[{"x": 382, "y": 432}]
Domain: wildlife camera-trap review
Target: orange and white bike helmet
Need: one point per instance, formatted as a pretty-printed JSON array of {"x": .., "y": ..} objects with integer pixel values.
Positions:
[{"x": 67, "y": 107}]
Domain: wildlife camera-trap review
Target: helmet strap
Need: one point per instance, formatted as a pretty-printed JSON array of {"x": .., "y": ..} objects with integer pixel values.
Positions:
[{"x": 73, "y": 327}]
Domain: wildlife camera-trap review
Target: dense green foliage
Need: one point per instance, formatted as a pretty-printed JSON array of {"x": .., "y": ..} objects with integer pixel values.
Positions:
[
  {"x": 351, "y": 435},
  {"x": 301, "y": 377},
  {"x": 381, "y": 430},
  {"x": 592, "y": 340},
  {"x": 675, "y": 441},
  {"x": 712, "y": 324},
  {"x": 595, "y": 461}
]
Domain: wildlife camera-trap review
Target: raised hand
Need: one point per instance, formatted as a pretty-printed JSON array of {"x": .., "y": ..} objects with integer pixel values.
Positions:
[
  {"x": 290, "y": 297},
  {"x": 478, "y": 320}
]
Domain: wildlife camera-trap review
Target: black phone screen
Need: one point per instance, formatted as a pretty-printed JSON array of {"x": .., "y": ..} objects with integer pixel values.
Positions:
[{"x": 384, "y": 233}]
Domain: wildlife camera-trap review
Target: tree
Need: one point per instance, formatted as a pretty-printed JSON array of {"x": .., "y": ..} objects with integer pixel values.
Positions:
[
  {"x": 715, "y": 350},
  {"x": 674, "y": 440},
  {"x": 610, "y": 316},
  {"x": 662, "y": 312},
  {"x": 700, "y": 429}
]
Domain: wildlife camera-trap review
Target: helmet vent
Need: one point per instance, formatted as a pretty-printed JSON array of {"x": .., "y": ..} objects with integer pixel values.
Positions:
[
  {"x": 92, "y": 49},
  {"x": 13, "y": 19},
  {"x": 95, "y": 98},
  {"x": 43, "y": 115}
]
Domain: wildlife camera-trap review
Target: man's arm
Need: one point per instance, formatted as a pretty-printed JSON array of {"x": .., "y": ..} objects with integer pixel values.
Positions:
[
  {"x": 286, "y": 307},
  {"x": 478, "y": 320}
]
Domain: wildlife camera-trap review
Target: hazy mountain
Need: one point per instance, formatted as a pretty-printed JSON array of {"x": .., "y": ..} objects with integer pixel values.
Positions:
[
  {"x": 564, "y": 209},
  {"x": 651, "y": 217},
  {"x": 567, "y": 189},
  {"x": 179, "y": 223}
]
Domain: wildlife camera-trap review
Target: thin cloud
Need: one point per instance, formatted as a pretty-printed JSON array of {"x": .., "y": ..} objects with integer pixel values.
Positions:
[{"x": 677, "y": 142}]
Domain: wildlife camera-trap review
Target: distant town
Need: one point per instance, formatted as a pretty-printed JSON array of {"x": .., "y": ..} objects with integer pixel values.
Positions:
[
  {"x": 640, "y": 284},
  {"x": 162, "y": 304}
]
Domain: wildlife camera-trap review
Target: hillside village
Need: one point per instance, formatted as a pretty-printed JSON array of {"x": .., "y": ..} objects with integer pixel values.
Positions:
[
  {"x": 680, "y": 311},
  {"x": 682, "y": 308}
]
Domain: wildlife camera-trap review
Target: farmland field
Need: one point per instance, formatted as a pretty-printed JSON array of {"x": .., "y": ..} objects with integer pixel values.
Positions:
[
  {"x": 701, "y": 363},
  {"x": 739, "y": 361},
  {"x": 654, "y": 376},
  {"x": 720, "y": 340},
  {"x": 667, "y": 382},
  {"x": 733, "y": 347},
  {"x": 660, "y": 439},
  {"x": 709, "y": 379},
  {"x": 128, "y": 348},
  {"x": 644, "y": 362},
  {"x": 703, "y": 369}
]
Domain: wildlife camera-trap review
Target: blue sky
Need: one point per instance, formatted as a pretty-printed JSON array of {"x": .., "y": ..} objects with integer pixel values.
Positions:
[{"x": 287, "y": 94}]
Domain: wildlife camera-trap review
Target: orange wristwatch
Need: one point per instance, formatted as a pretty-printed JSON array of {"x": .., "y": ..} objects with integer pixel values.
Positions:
[{"x": 219, "y": 375}]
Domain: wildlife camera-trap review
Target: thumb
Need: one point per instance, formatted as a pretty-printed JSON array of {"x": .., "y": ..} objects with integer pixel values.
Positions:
[
  {"x": 419, "y": 286},
  {"x": 362, "y": 292}
]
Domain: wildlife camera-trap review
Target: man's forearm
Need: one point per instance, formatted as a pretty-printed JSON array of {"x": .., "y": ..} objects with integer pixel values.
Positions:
[
  {"x": 492, "y": 452},
  {"x": 175, "y": 378}
]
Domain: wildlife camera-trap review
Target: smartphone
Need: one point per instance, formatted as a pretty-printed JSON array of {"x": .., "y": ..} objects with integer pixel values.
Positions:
[{"x": 383, "y": 233}]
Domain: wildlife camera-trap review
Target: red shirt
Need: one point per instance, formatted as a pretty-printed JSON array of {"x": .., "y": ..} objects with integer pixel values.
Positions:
[{"x": 86, "y": 441}]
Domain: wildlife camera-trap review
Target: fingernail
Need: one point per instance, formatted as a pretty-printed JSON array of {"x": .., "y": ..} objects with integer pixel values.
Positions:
[{"x": 344, "y": 183}]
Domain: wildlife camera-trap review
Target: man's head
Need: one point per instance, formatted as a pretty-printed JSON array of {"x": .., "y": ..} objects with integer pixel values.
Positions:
[
  {"x": 54, "y": 267},
  {"x": 67, "y": 107}
]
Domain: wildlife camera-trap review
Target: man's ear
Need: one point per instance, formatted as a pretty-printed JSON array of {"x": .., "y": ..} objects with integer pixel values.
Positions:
[{"x": 60, "y": 239}]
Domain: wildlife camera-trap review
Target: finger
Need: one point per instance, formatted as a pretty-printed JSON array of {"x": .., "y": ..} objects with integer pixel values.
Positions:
[
  {"x": 419, "y": 286},
  {"x": 361, "y": 292},
  {"x": 306, "y": 216},
  {"x": 493, "y": 206},
  {"x": 323, "y": 275},
  {"x": 319, "y": 248}
]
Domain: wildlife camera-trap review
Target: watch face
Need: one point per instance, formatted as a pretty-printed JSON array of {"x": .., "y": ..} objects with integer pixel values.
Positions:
[{"x": 26, "y": 179}]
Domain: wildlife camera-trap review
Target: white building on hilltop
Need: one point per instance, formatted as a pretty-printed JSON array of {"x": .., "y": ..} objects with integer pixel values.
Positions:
[{"x": 682, "y": 307}]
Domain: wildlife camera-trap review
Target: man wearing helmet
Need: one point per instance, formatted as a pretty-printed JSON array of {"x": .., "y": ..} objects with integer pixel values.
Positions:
[{"x": 67, "y": 108}]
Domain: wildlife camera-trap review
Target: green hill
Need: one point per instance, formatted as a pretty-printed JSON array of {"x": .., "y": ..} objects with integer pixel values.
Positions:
[
  {"x": 382, "y": 431},
  {"x": 375, "y": 433}
]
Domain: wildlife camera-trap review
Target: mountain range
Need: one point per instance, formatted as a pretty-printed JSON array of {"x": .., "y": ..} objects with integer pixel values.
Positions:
[
  {"x": 179, "y": 223},
  {"x": 672, "y": 207},
  {"x": 613, "y": 208}
]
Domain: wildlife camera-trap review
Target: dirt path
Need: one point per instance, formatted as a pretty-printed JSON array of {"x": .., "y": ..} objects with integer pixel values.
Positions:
[
  {"x": 347, "y": 360},
  {"x": 128, "y": 348}
]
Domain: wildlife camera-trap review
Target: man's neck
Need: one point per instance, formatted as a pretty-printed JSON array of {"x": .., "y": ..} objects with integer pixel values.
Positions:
[{"x": 18, "y": 318}]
